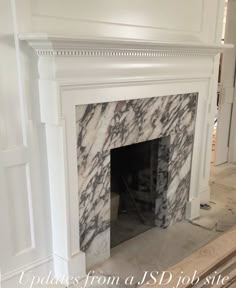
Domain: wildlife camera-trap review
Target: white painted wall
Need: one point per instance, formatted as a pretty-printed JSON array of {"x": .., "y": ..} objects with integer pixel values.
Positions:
[
  {"x": 25, "y": 239},
  {"x": 166, "y": 20},
  {"x": 24, "y": 204},
  {"x": 229, "y": 77},
  {"x": 225, "y": 150}
]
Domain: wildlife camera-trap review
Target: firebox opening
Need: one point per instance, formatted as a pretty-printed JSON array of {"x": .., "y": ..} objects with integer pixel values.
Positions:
[{"x": 133, "y": 190}]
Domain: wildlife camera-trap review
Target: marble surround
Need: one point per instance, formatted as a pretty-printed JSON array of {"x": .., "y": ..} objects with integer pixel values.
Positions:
[{"x": 104, "y": 126}]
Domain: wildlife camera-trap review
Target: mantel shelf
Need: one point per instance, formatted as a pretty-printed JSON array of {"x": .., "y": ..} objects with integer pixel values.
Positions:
[{"x": 46, "y": 44}]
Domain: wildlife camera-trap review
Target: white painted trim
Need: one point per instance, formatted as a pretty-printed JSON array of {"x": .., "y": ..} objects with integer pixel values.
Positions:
[
  {"x": 36, "y": 265},
  {"x": 192, "y": 209},
  {"x": 72, "y": 267},
  {"x": 82, "y": 71},
  {"x": 15, "y": 156},
  {"x": 26, "y": 247},
  {"x": 232, "y": 142},
  {"x": 54, "y": 45}
]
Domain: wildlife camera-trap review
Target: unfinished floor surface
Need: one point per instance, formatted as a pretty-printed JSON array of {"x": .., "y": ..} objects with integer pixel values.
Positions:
[{"x": 158, "y": 249}]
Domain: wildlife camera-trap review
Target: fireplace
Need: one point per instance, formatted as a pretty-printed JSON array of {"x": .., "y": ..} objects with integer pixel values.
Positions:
[
  {"x": 161, "y": 126},
  {"x": 133, "y": 189},
  {"x": 99, "y": 95}
]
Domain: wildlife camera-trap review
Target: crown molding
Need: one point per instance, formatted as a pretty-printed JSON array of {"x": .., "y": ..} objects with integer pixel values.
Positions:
[{"x": 54, "y": 45}]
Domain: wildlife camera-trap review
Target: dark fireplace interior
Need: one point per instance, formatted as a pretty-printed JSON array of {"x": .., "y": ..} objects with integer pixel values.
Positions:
[{"x": 133, "y": 190}]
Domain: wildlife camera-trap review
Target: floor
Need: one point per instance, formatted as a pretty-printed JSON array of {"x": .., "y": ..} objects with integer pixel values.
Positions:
[
  {"x": 223, "y": 199},
  {"x": 158, "y": 249},
  {"x": 163, "y": 248}
]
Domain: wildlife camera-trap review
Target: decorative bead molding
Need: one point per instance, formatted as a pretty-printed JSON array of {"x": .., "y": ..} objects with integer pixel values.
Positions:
[
  {"x": 46, "y": 45},
  {"x": 114, "y": 53}
]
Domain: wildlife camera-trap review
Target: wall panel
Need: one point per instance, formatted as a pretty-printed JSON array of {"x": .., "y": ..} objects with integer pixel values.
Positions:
[
  {"x": 166, "y": 20},
  {"x": 166, "y": 14},
  {"x": 19, "y": 208},
  {"x": 25, "y": 239}
]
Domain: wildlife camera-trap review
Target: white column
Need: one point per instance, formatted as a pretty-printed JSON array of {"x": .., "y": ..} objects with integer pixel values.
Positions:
[{"x": 69, "y": 261}]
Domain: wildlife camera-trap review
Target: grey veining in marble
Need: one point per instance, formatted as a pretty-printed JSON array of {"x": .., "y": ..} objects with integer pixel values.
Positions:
[{"x": 104, "y": 126}]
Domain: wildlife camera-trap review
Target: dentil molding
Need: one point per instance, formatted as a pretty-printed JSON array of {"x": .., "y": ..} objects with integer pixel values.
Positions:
[{"x": 51, "y": 45}]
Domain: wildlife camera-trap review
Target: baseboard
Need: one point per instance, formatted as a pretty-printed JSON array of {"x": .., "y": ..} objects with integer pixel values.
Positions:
[
  {"x": 204, "y": 195},
  {"x": 70, "y": 268},
  {"x": 52, "y": 267},
  {"x": 193, "y": 209},
  {"x": 38, "y": 268}
]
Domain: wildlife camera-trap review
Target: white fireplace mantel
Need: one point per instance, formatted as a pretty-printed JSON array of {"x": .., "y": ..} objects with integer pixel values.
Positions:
[
  {"x": 43, "y": 42},
  {"x": 75, "y": 71}
]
